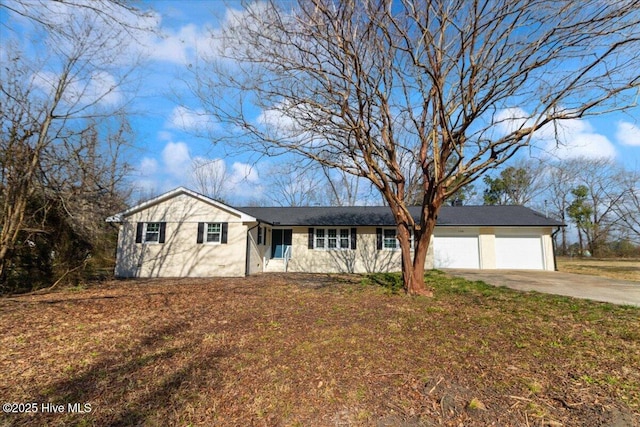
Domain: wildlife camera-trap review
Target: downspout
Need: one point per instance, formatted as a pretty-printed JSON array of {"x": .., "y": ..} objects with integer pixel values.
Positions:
[{"x": 553, "y": 247}]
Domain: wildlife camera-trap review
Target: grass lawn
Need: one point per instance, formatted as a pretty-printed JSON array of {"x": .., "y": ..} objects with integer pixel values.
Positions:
[
  {"x": 615, "y": 268},
  {"x": 317, "y": 350}
]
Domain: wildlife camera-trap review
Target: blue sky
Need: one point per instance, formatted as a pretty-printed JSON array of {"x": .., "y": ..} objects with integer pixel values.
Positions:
[{"x": 165, "y": 141}]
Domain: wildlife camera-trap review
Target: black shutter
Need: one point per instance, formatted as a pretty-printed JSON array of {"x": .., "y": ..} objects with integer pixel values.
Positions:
[
  {"x": 225, "y": 232},
  {"x": 163, "y": 229},
  {"x": 200, "y": 232},
  {"x": 379, "y": 238},
  {"x": 310, "y": 245},
  {"x": 139, "y": 228},
  {"x": 353, "y": 238}
]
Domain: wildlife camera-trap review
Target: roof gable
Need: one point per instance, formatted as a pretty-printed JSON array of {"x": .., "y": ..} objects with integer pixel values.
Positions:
[{"x": 175, "y": 193}]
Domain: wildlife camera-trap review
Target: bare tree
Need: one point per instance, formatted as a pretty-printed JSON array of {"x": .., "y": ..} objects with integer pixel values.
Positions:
[
  {"x": 450, "y": 89},
  {"x": 595, "y": 194},
  {"x": 292, "y": 184},
  {"x": 210, "y": 177},
  {"x": 343, "y": 189},
  {"x": 53, "y": 97},
  {"x": 629, "y": 209},
  {"x": 604, "y": 181},
  {"x": 559, "y": 180}
]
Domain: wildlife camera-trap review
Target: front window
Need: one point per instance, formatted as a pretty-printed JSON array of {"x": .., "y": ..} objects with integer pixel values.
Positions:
[
  {"x": 214, "y": 232},
  {"x": 390, "y": 239},
  {"x": 152, "y": 232},
  {"x": 332, "y": 238},
  {"x": 320, "y": 239},
  {"x": 332, "y": 241},
  {"x": 344, "y": 238}
]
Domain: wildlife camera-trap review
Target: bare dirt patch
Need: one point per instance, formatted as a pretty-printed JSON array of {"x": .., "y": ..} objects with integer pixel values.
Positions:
[
  {"x": 616, "y": 268},
  {"x": 285, "y": 350}
]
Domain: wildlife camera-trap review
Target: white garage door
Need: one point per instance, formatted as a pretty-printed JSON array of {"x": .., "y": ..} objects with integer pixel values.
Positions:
[
  {"x": 456, "y": 252},
  {"x": 519, "y": 252}
]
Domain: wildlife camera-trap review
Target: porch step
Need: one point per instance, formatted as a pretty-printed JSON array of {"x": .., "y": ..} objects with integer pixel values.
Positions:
[{"x": 274, "y": 265}]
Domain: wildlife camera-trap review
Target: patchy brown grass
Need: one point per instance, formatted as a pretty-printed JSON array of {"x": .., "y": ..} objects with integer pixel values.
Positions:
[
  {"x": 289, "y": 350},
  {"x": 616, "y": 268}
]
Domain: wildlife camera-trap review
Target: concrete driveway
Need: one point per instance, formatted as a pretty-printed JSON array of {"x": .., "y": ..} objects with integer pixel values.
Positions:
[{"x": 554, "y": 282}]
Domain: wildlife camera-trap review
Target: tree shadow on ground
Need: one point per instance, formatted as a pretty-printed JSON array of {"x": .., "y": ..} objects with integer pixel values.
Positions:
[{"x": 135, "y": 383}]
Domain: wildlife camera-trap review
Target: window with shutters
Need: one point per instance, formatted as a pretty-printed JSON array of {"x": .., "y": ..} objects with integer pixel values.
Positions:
[
  {"x": 333, "y": 238},
  {"x": 151, "y": 232},
  {"x": 214, "y": 232}
]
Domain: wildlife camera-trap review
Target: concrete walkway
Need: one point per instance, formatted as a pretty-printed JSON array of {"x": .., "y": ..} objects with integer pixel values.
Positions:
[{"x": 624, "y": 292}]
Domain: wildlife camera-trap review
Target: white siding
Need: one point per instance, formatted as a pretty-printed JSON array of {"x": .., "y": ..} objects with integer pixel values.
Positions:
[{"x": 180, "y": 255}]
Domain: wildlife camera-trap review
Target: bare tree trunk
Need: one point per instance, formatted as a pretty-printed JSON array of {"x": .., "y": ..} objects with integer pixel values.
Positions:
[
  {"x": 580, "y": 244},
  {"x": 563, "y": 230}
]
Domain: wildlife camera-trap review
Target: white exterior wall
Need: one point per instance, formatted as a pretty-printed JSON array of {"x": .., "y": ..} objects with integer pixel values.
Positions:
[
  {"x": 258, "y": 253},
  {"x": 180, "y": 255},
  {"x": 366, "y": 258}
]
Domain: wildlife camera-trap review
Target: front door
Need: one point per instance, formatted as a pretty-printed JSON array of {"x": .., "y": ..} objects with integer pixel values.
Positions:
[{"x": 280, "y": 239}]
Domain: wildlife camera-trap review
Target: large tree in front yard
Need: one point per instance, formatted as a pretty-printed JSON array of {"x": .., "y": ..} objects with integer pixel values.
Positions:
[{"x": 389, "y": 90}]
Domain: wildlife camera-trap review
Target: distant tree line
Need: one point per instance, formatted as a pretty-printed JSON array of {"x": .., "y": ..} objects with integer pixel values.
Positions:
[{"x": 597, "y": 197}]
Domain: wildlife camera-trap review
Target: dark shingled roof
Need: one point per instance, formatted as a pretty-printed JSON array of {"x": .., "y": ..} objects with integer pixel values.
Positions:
[{"x": 381, "y": 216}]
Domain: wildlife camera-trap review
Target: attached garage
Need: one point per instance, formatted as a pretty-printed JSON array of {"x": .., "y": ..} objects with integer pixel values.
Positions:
[
  {"x": 519, "y": 252},
  {"x": 456, "y": 252}
]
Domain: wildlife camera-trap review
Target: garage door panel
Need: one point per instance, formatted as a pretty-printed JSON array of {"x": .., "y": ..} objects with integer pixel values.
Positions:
[
  {"x": 519, "y": 252},
  {"x": 456, "y": 252}
]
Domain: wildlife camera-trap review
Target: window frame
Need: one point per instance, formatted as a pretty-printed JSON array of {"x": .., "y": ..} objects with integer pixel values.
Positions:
[
  {"x": 206, "y": 233},
  {"x": 145, "y": 232},
  {"x": 332, "y": 239},
  {"x": 396, "y": 246}
]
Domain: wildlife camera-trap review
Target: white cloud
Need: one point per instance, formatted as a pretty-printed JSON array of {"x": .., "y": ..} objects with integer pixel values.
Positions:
[
  {"x": 582, "y": 144},
  {"x": 176, "y": 167},
  {"x": 628, "y": 133},
  {"x": 510, "y": 119},
  {"x": 564, "y": 139},
  {"x": 244, "y": 172},
  {"x": 276, "y": 119},
  {"x": 186, "y": 119},
  {"x": 164, "y": 135},
  {"x": 99, "y": 88},
  {"x": 176, "y": 159},
  {"x": 175, "y": 47},
  {"x": 148, "y": 166}
]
